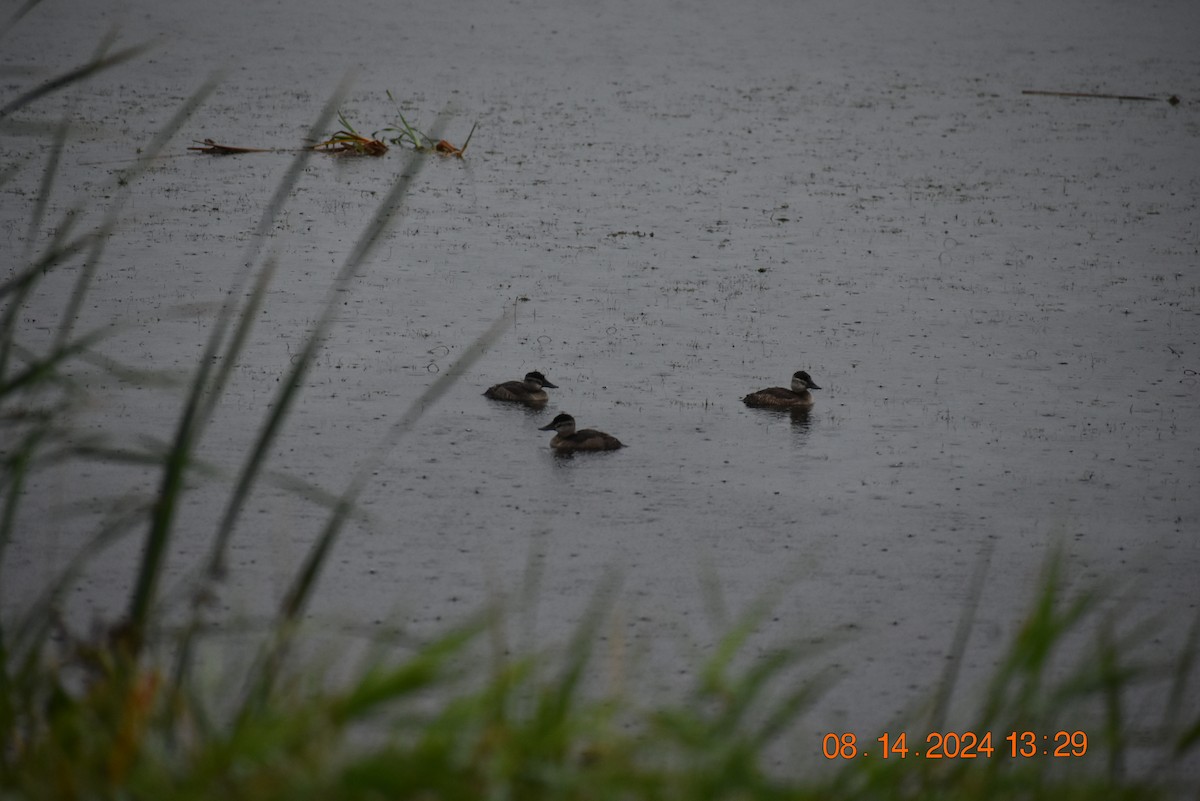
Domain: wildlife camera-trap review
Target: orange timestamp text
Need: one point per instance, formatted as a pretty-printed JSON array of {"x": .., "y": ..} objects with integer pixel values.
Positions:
[{"x": 958, "y": 745}]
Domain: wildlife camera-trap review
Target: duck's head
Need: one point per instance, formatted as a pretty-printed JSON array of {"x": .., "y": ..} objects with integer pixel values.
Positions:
[
  {"x": 802, "y": 381},
  {"x": 537, "y": 378},
  {"x": 564, "y": 424}
]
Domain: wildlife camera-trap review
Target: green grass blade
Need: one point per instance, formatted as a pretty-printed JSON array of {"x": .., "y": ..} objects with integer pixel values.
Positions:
[
  {"x": 266, "y": 434},
  {"x": 176, "y": 462},
  {"x": 18, "y": 15},
  {"x": 962, "y": 634},
  {"x": 245, "y": 322},
  {"x": 296, "y": 597},
  {"x": 42, "y": 370},
  {"x": 298, "y": 594},
  {"x": 74, "y": 76},
  {"x": 125, "y": 183},
  {"x": 463, "y": 149},
  {"x": 211, "y": 391},
  {"x": 53, "y": 157},
  {"x": 1183, "y": 673},
  {"x": 382, "y": 686}
]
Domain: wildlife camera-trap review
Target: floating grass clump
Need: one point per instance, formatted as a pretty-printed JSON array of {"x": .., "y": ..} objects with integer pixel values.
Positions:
[
  {"x": 406, "y": 135},
  {"x": 348, "y": 141},
  {"x": 130, "y": 711}
]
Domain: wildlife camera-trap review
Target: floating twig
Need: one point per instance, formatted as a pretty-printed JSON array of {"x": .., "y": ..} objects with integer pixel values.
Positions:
[
  {"x": 341, "y": 143},
  {"x": 211, "y": 148},
  {"x": 1173, "y": 99}
]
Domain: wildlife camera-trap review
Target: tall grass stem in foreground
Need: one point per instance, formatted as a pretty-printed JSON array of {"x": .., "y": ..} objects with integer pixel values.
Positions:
[{"x": 206, "y": 392}]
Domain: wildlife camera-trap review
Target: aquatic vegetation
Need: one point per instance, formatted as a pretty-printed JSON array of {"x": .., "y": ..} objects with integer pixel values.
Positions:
[
  {"x": 343, "y": 142},
  {"x": 405, "y": 134},
  {"x": 348, "y": 142}
]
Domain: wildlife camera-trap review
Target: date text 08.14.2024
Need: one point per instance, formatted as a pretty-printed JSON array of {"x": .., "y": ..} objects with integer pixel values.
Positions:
[{"x": 959, "y": 745}]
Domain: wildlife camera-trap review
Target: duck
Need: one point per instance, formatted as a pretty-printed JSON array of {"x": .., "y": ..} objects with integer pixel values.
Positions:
[
  {"x": 529, "y": 391},
  {"x": 567, "y": 440},
  {"x": 798, "y": 397}
]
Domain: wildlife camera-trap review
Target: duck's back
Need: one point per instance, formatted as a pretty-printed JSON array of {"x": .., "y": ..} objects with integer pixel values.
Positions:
[
  {"x": 587, "y": 439},
  {"x": 516, "y": 391},
  {"x": 778, "y": 397}
]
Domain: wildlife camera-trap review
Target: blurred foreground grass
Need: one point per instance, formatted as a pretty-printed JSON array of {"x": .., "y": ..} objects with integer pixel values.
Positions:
[{"x": 126, "y": 712}]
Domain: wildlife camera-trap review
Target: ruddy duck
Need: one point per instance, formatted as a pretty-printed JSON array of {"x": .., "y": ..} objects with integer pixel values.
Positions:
[
  {"x": 528, "y": 391},
  {"x": 798, "y": 397},
  {"x": 567, "y": 439}
]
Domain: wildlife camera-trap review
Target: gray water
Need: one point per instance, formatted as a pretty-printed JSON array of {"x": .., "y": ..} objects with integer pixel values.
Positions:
[{"x": 997, "y": 293}]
